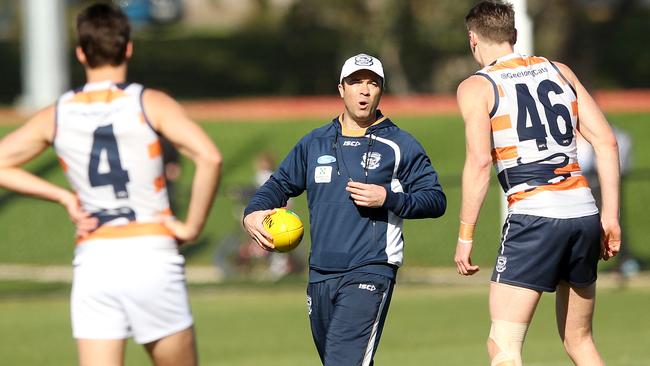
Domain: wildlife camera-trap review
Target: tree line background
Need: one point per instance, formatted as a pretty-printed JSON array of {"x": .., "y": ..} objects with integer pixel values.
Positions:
[{"x": 422, "y": 43}]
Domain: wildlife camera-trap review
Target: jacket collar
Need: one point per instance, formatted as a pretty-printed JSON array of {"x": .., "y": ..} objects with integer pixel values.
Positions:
[{"x": 380, "y": 123}]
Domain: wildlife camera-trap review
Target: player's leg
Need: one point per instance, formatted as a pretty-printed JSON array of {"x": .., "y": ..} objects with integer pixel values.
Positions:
[
  {"x": 574, "y": 310},
  {"x": 319, "y": 310},
  {"x": 511, "y": 311},
  {"x": 357, "y": 322},
  {"x": 100, "y": 352},
  {"x": 576, "y": 293},
  {"x": 99, "y": 324},
  {"x": 178, "y": 349},
  {"x": 531, "y": 251},
  {"x": 155, "y": 299}
]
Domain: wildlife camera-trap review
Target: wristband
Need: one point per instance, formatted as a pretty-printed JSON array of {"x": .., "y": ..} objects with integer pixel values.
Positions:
[{"x": 466, "y": 232}]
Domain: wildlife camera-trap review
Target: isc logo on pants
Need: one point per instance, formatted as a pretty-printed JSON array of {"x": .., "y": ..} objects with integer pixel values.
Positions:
[{"x": 369, "y": 287}]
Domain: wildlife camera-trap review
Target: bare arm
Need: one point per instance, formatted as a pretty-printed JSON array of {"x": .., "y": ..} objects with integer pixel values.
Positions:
[
  {"x": 169, "y": 118},
  {"x": 23, "y": 145},
  {"x": 474, "y": 98},
  {"x": 593, "y": 125}
]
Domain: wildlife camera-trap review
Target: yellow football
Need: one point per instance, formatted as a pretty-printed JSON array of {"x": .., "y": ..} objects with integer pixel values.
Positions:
[{"x": 286, "y": 228}]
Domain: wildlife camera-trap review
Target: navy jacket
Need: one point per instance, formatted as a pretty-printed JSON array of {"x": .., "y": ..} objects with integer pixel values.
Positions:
[{"x": 344, "y": 236}]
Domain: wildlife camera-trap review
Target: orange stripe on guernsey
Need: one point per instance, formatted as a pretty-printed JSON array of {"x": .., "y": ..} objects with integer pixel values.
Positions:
[
  {"x": 565, "y": 185},
  {"x": 574, "y": 108},
  {"x": 154, "y": 149},
  {"x": 517, "y": 62},
  {"x": 501, "y": 92},
  {"x": 568, "y": 169},
  {"x": 501, "y": 122},
  {"x": 64, "y": 166},
  {"x": 504, "y": 153},
  {"x": 97, "y": 96},
  {"x": 127, "y": 231},
  {"x": 159, "y": 183}
]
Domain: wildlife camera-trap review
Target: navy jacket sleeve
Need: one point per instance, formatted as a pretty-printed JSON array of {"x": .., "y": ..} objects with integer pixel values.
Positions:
[
  {"x": 288, "y": 181},
  {"x": 422, "y": 194}
]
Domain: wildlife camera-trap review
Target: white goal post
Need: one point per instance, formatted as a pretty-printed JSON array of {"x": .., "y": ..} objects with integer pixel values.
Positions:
[{"x": 44, "y": 53}]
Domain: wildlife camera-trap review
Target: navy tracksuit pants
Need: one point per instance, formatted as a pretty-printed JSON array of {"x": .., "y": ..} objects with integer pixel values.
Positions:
[{"x": 347, "y": 315}]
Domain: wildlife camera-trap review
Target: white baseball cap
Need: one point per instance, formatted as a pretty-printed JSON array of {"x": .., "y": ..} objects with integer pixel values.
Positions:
[{"x": 361, "y": 62}]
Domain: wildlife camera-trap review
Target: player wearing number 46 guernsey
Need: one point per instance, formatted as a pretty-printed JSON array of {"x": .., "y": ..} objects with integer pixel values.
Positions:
[
  {"x": 128, "y": 278},
  {"x": 523, "y": 114}
]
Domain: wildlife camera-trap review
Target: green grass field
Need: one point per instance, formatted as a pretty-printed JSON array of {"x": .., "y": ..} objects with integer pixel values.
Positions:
[
  {"x": 256, "y": 324},
  {"x": 250, "y": 325},
  {"x": 38, "y": 232}
]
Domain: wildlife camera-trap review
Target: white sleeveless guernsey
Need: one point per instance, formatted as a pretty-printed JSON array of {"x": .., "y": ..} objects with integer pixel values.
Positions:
[
  {"x": 112, "y": 158},
  {"x": 534, "y": 139}
]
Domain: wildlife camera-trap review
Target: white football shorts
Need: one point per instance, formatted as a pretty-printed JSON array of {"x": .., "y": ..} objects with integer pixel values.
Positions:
[{"x": 129, "y": 287}]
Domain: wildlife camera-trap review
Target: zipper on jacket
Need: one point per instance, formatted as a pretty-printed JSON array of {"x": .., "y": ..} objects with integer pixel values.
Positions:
[
  {"x": 336, "y": 155},
  {"x": 368, "y": 152}
]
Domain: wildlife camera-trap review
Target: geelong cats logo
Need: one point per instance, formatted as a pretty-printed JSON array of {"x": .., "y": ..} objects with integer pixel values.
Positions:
[
  {"x": 372, "y": 160},
  {"x": 501, "y": 263}
]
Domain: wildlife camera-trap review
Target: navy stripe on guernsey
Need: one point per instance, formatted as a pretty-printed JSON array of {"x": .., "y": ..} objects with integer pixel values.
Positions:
[
  {"x": 564, "y": 78},
  {"x": 144, "y": 113},
  {"x": 496, "y": 93}
]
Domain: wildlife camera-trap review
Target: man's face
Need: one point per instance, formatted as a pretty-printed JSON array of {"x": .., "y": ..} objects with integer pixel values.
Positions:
[{"x": 361, "y": 92}]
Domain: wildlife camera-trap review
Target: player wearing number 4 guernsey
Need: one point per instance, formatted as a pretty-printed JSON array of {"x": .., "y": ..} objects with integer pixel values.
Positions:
[
  {"x": 523, "y": 113},
  {"x": 128, "y": 276}
]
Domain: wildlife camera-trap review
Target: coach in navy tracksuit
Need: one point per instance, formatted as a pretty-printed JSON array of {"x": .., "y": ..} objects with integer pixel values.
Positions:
[{"x": 363, "y": 175}]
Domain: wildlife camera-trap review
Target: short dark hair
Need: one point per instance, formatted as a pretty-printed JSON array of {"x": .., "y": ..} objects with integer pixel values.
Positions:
[
  {"x": 104, "y": 33},
  {"x": 493, "y": 21}
]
